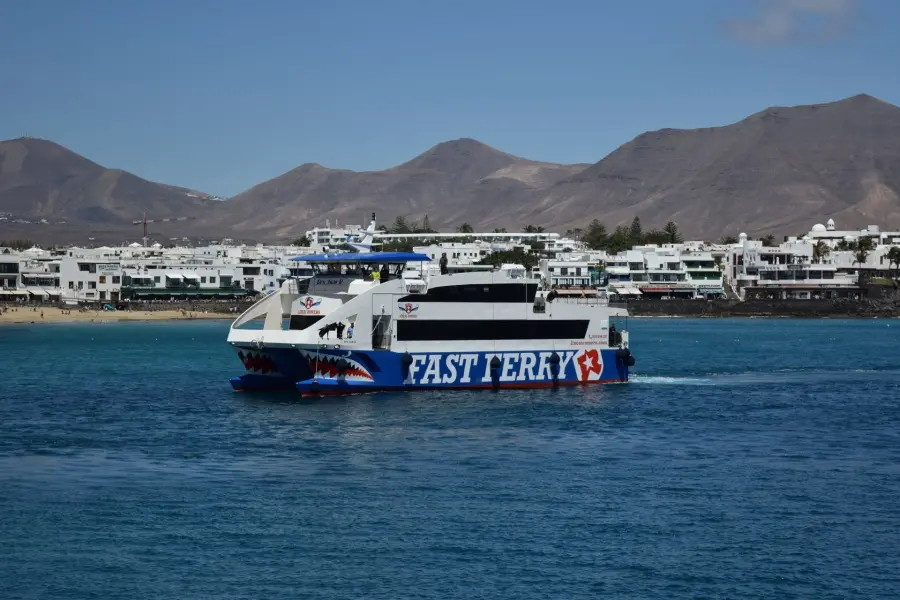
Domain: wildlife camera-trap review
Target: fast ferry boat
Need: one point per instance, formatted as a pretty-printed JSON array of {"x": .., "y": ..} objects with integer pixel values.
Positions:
[{"x": 345, "y": 330}]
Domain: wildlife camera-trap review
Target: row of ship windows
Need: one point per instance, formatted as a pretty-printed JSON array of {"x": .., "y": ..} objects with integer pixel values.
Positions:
[
  {"x": 494, "y": 292},
  {"x": 499, "y": 329},
  {"x": 458, "y": 330}
]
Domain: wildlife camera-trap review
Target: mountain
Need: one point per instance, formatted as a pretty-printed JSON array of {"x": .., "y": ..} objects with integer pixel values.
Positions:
[
  {"x": 41, "y": 179},
  {"x": 778, "y": 171},
  {"x": 454, "y": 182}
]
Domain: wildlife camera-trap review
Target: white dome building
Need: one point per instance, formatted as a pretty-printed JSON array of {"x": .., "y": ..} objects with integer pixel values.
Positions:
[
  {"x": 819, "y": 228},
  {"x": 830, "y": 224}
]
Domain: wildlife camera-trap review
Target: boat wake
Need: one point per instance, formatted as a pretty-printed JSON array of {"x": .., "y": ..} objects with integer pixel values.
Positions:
[
  {"x": 657, "y": 380},
  {"x": 767, "y": 378}
]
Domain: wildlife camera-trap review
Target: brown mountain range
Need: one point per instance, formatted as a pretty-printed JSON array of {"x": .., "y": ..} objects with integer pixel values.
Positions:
[
  {"x": 43, "y": 180},
  {"x": 453, "y": 182},
  {"x": 777, "y": 171}
]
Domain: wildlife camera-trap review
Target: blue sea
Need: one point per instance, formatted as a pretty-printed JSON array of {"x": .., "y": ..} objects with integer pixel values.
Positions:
[{"x": 746, "y": 459}]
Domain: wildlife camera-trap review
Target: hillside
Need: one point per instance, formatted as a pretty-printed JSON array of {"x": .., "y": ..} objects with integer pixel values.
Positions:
[
  {"x": 454, "y": 182},
  {"x": 41, "y": 179},
  {"x": 778, "y": 171}
]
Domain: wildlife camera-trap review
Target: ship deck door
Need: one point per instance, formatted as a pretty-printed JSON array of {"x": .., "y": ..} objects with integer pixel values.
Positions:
[{"x": 382, "y": 321}]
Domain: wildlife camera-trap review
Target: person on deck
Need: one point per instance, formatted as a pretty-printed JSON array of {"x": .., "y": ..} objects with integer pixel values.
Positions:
[{"x": 443, "y": 264}]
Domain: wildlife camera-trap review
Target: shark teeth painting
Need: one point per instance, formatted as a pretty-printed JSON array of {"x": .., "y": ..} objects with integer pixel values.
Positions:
[{"x": 333, "y": 367}]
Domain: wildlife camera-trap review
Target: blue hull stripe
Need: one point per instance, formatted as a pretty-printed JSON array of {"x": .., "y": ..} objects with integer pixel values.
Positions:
[{"x": 353, "y": 371}]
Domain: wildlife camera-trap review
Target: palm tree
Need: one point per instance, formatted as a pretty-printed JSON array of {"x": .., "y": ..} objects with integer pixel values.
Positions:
[
  {"x": 893, "y": 256},
  {"x": 859, "y": 258},
  {"x": 820, "y": 251},
  {"x": 768, "y": 240},
  {"x": 845, "y": 246},
  {"x": 465, "y": 228}
]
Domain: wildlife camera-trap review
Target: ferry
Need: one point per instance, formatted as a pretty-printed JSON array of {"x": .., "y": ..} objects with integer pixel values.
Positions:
[{"x": 380, "y": 321}]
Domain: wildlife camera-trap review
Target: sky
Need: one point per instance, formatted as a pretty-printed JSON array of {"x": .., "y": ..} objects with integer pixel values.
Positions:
[{"x": 218, "y": 95}]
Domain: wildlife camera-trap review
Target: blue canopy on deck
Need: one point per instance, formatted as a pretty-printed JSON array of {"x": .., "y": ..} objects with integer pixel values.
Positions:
[{"x": 364, "y": 257}]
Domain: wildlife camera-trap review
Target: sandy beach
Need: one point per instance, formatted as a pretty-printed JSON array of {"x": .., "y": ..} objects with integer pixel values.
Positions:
[{"x": 25, "y": 314}]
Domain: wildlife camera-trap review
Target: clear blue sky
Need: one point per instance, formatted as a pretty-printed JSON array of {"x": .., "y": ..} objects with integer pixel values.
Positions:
[{"x": 221, "y": 94}]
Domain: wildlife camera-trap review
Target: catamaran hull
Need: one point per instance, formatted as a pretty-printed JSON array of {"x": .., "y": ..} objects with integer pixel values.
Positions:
[{"x": 313, "y": 371}]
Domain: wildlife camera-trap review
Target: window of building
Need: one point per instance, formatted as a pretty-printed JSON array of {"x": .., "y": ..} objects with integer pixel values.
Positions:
[
  {"x": 92, "y": 285},
  {"x": 117, "y": 279},
  {"x": 212, "y": 279},
  {"x": 156, "y": 279},
  {"x": 103, "y": 279},
  {"x": 203, "y": 280}
]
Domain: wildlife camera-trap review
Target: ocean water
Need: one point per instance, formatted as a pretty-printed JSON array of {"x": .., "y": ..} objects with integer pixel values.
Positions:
[{"x": 746, "y": 459}]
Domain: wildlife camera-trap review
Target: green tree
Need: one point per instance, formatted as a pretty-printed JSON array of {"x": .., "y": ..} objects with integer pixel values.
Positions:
[
  {"x": 500, "y": 230},
  {"x": 893, "y": 256},
  {"x": 533, "y": 229},
  {"x": 575, "y": 233},
  {"x": 768, "y": 240},
  {"x": 595, "y": 236},
  {"x": 18, "y": 245},
  {"x": 727, "y": 240},
  {"x": 400, "y": 225},
  {"x": 425, "y": 227},
  {"x": 636, "y": 232},
  {"x": 397, "y": 246},
  {"x": 619, "y": 241},
  {"x": 465, "y": 228},
  {"x": 656, "y": 237},
  {"x": 863, "y": 247},
  {"x": 301, "y": 241},
  {"x": 671, "y": 230},
  {"x": 820, "y": 251},
  {"x": 846, "y": 246},
  {"x": 517, "y": 257}
]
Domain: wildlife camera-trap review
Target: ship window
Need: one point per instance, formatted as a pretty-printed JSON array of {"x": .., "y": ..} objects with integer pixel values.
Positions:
[
  {"x": 496, "y": 292},
  {"x": 303, "y": 321},
  {"x": 422, "y": 330}
]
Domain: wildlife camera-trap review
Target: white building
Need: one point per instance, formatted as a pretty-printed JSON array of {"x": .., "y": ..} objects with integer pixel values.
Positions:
[
  {"x": 690, "y": 270},
  {"x": 458, "y": 253},
  {"x": 322, "y": 238},
  {"x": 816, "y": 266},
  {"x": 575, "y": 270}
]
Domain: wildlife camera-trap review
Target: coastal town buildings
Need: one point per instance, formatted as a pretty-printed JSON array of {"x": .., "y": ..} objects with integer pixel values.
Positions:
[
  {"x": 670, "y": 271},
  {"x": 134, "y": 272},
  {"x": 825, "y": 263},
  {"x": 822, "y": 264}
]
